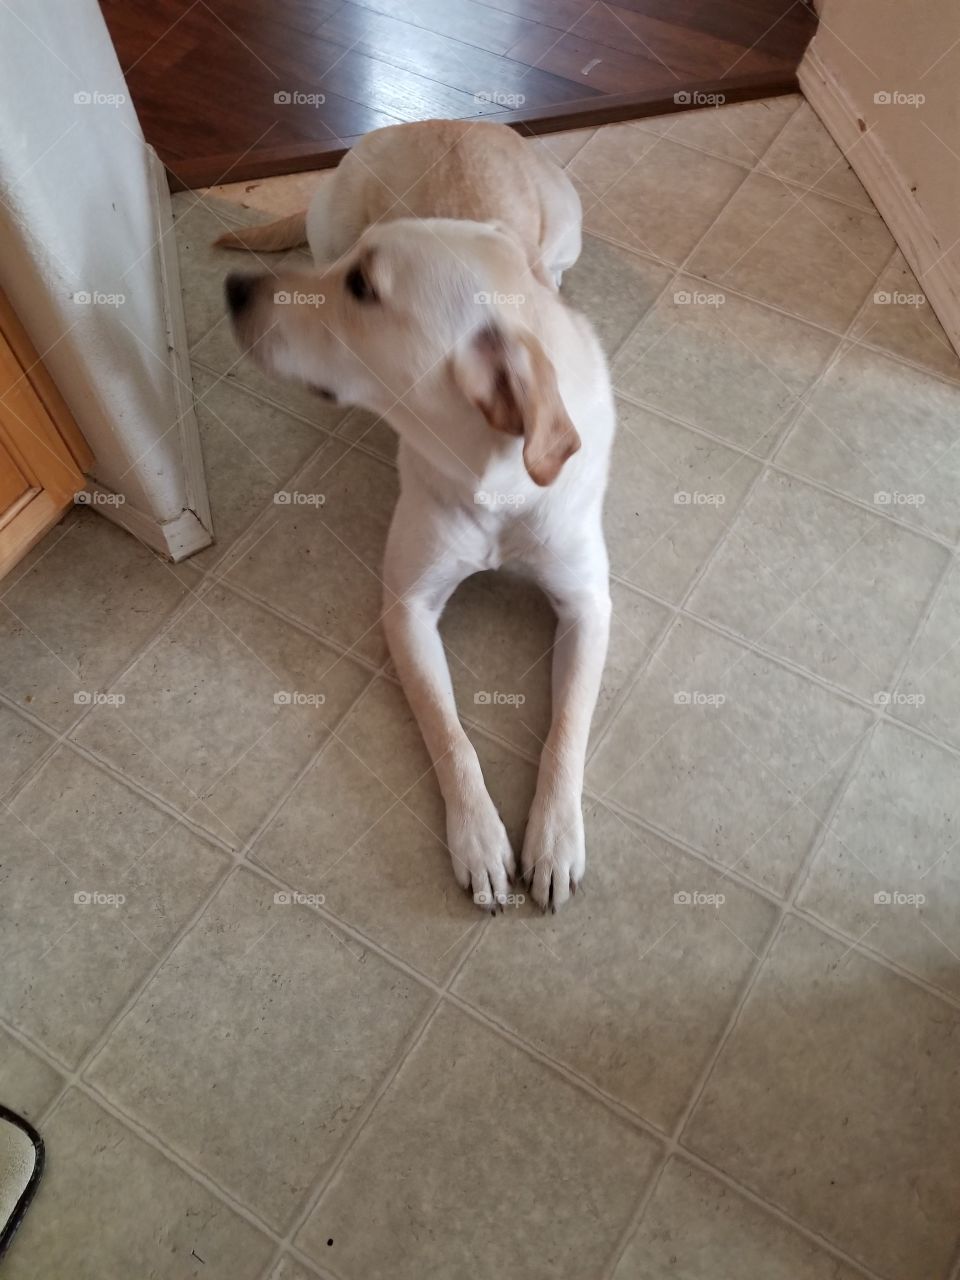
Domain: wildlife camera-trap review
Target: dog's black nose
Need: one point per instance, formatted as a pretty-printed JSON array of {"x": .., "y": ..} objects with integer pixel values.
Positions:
[{"x": 239, "y": 288}]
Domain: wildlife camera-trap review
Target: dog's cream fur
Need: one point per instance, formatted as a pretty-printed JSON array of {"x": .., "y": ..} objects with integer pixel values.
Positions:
[{"x": 435, "y": 305}]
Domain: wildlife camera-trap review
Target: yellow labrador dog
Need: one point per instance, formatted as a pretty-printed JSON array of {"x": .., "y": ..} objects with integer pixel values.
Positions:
[{"x": 434, "y": 304}]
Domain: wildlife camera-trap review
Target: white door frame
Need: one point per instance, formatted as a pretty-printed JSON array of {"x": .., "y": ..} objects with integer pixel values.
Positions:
[{"x": 90, "y": 266}]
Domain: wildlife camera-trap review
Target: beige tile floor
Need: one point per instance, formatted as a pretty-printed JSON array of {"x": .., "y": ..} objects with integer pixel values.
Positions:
[{"x": 293, "y": 1049}]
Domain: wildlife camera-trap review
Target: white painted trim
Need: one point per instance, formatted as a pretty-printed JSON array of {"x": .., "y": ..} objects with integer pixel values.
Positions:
[
  {"x": 175, "y": 539},
  {"x": 887, "y": 187},
  {"x": 172, "y": 299}
]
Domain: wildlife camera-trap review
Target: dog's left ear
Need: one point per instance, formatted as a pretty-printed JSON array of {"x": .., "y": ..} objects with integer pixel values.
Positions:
[{"x": 509, "y": 377}]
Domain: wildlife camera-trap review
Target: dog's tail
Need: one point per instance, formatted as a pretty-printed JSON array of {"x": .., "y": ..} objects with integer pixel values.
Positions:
[{"x": 285, "y": 233}]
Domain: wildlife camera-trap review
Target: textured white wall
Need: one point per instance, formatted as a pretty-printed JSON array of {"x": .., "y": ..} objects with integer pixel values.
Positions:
[{"x": 77, "y": 215}]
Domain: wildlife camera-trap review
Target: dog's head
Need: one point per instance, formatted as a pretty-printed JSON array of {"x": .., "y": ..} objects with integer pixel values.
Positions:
[{"x": 422, "y": 316}]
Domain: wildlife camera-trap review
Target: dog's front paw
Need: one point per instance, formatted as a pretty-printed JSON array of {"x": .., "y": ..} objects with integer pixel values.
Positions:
[
  {"x": 554, "y": 851},
  {"x": 480, "y": 851}
]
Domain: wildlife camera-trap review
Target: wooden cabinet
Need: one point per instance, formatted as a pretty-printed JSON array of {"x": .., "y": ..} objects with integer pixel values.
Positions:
[{"x": 43, "y": 456}]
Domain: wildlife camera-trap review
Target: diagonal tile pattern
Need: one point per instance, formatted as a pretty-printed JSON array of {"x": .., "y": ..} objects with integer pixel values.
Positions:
[
  {"x": 294, "y": 1050},
  {"x": 544, "y": 1148}
]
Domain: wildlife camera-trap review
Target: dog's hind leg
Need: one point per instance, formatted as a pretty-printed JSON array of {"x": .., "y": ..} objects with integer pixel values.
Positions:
[
  {"x": 333, "y": 224},
  {"x": 561, "y": 239}
]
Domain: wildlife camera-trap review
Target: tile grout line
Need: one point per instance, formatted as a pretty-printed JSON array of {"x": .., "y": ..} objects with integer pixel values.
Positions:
[
  {"x": 876, "y": 348},
  {"x": 821, "y": 1243},
  {"x": 75, "y": 1074},
  {"x": 260, "y": 398},
  {"x": 620, "y": 701},
  {"x": 813, "y": 678},
  {"x": 837, "y": 798},
  {"x": 469, "y": 951},
  {"x": 210, "y": 577},
  {"x": 674, "y": 1147},
  {"x": 321, "y": 1185},
  {"x": 218, "y": 842},
  {"x": 855, "y": 700},
  {"x": 229, "y": 551},
  {"x": 638, "y": 123},
  {"x": 64, "y": 738},
  {"x": 637, "y": 820},
  {"x": 766, "y": 460},
  {"x": 764, "y": 303},
  {"x": 611, "y": 1104},
  {"x": 673, "y": 268},
  {"x": 880, "y": 718},
  {"x": 780, "y": 903},
  {"x": 350, "y": 652},
  {"x": 621, "y": 1110},
  {"x": 786, "y": 910},
  {"x": 172, "y": 1156},
  {"x": 669, "y": 1146},
  {"x": 202, "y": 832},
  {"x": 679, "y": 609},
  {"x": 314, "y": 1192},
  {"x": 61, "y": 736},
  {"x": 793, "y": 183},
  {"x": 585, "y": 1086}
]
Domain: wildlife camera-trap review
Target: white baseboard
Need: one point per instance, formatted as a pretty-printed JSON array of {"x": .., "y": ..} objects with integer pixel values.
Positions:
[
  {"x": 175, "y": 539},
  {"x": 887, "y": 187}
]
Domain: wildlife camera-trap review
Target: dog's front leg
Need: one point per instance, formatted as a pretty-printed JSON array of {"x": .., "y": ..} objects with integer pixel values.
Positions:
[
  {"x": 419, "y": 580},
  {"x": 554, "y": 849}
]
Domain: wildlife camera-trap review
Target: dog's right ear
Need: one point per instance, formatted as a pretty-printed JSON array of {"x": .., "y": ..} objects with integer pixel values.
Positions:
[{"x": 508, "y": 376}]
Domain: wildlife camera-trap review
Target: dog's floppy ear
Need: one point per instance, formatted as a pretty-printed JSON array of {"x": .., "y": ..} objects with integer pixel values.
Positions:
[{"x": 509, "y": 377}]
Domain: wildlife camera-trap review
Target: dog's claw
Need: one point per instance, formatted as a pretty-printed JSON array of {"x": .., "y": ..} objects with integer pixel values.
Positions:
[
  {"x": 480, "y": 850},
  {"x": 554, "y": 853}
]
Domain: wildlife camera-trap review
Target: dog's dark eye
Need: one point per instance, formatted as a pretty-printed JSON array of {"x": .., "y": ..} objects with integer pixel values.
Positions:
[
  {"x": 359, "y": 286},
  {"x": 324, "y": 393}
]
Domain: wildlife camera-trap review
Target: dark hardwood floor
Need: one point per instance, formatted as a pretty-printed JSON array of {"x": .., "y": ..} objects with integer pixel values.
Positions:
[{"x": 234, "y": 89}]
